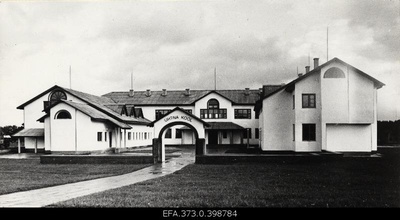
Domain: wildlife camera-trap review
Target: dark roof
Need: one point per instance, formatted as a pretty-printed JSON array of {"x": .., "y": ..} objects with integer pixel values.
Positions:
[
  {"x": 224, "y": 126},
  {"x": 179, "y": 97},
  {"x": 84, "y": 96},
  {"x": 30, "y": 132},
  {"x": 181, "y": 110}
]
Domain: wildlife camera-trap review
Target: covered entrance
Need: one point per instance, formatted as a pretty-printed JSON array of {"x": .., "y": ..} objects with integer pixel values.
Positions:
[{"x": 177, "y": 116}]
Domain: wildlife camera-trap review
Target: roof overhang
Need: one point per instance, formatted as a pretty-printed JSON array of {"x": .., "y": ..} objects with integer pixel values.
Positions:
[{"x": 30, "y": 132}]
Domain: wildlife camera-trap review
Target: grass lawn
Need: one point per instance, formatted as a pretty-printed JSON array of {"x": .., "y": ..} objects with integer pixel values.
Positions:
[
  {"x": 25, "y": 174},
  {"x": 346, "y": 182}
]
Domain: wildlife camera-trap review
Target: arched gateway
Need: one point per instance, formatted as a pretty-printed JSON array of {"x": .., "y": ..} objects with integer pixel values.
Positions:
[{"x": 177, "y": 116}]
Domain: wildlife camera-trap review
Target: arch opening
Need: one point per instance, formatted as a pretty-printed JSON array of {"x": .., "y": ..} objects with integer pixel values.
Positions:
[
  {"x": 62, "y": 114},
  {"x": 334, "y": 73}
]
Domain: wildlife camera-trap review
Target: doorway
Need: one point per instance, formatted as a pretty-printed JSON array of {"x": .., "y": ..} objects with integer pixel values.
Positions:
[{"x": 212, "y": 137}]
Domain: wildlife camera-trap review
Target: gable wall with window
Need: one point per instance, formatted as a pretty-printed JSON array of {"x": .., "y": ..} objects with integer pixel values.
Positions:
[
  {"x": 307, "y": 114},
  {"x": 34, "y": 110}
]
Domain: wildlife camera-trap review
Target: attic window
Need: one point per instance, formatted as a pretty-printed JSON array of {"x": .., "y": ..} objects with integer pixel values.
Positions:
[
  {"x": 56, "y": 96},
  {"x": 63, "y": 114},
  {"x": 334, "y": 72}
]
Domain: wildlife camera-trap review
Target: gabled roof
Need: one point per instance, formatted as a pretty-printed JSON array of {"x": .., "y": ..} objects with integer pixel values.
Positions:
[
  {"x": 84, "y": 96},
  {"x": 181, "y": 110},
  {"x": 377, "y": 83},
  {"x": 179, "y": 97}
]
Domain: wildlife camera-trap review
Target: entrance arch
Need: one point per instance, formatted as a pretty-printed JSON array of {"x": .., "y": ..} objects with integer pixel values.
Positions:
[{"x": 177, "y": 116}]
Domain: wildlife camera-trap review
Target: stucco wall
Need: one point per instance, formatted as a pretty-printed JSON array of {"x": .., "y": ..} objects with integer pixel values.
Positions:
[
  {"x": 62, "y": 130},
  {"x": 309, "y": 85},
  {"x": 350, "y": 100},
  {"x": 277, "y": 122}
]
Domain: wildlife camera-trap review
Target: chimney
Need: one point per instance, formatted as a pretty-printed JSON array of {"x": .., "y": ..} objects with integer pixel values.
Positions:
[
  {"x": 164, "y": 92},
  {"x": 307, "y": 69},
  {"x": 148, "y": 92},
  {"x": 260, "y": 90},
  {"x": 300, "y": 74},
  {"x": 246, "y": 91},
  {"x": 131, "y": 93},
  {"x": 187, "y": 93},
  {"x": 316, "y": 62}
]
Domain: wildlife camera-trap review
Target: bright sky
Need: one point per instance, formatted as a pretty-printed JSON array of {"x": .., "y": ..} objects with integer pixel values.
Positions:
[{"x": 177, "y": 44}]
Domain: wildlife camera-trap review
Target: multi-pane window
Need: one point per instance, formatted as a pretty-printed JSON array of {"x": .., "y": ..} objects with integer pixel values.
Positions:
[
  {"x": 257, "y": 133},
  {"x": 99, "y": 136},
  {"x": 168, "y": 133},
  {"x": 242, "y": 113},
  {"x": 105, "y": 136},
  {"x": 178, "y": 133},
  {"x": 308, "y": 132},
  {"x": 161, "y": 112},
  {"x": 213, "y": 111},
  {"x": 308, "y": 100}
]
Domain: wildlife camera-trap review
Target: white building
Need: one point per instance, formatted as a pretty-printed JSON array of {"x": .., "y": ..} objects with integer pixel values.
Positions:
[{"x": 332, "y": 107}]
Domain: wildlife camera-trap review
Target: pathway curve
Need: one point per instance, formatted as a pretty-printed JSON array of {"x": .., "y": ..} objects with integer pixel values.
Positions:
[{"x": 49, "y": 195}]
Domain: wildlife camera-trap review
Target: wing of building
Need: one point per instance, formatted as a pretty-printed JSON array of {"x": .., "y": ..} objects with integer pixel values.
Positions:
[{"x": 332, "y": 107}]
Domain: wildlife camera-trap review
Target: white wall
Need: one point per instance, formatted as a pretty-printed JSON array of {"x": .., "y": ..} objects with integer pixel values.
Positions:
[
  {"x": 277, "y": 122},
  {"x": 141, "y": 135},
  {"x": 351, "y": 100},
  {"x": 343, "y": 138},
  {"x": 31, "y": 141},
  {"x": 309, "y": 85},
  {"x": 62, "y": 130}
]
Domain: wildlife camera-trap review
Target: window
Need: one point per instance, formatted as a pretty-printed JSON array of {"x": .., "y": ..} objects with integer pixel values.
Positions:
[
  {"x": 334, "y": 72},
  {"x": 145, "y": 135},
  {"x": 99, "y": 136},
  {"x": 178, "y": 133},
  {"x": 168, "y": 133},
  {"x": 242, "y": 113},
  {"x": 62, "y": 114},
  {"x": 224, "y": 134},
  {"x": 294, "y": 102},
  {"x": 294, "y": 132},
  {"x": 257, "y": 133},
  {"x": 105, "y": 136},
  {"x": 245, "y": 133},
  {"x": 129, "y": 136},
  {"x": 308, "y": 100},
  {"x": 213, "y": 104},
  {"x": 308, "y": 132},
  {"x": 161, "y": 113},
  {"x": 56, "y": 96},
  {"x": 213, "y": 111}
]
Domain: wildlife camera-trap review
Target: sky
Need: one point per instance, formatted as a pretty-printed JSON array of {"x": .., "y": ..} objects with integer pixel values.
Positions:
[{"x": 177, "y": 44}]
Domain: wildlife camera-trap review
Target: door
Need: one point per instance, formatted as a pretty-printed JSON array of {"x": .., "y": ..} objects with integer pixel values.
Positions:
[{"x": 212, "y": 137}]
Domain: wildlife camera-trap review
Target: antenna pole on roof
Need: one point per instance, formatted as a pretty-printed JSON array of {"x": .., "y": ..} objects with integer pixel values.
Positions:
[
  {"x": 70, "y": 86},
  {"x": 215, "y": 78},
  {"x": 327, "y": 44}
]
